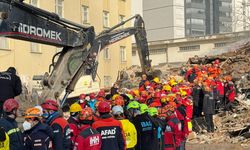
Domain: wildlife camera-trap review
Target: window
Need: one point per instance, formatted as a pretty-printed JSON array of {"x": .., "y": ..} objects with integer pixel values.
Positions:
[
  {"x": 198, "y": 32},
  {"x": 195, "y": 11},
  {"x": 133, "y": 53},
  {"x": 35, "y": 48},
  {"x": 156, "y": 51},
  {"x": 105, "y": 19},
  {"x": 121, "y": 19},
  {"x": 34, "y": 3},
  {"x": 106, "y": 53},
  {"x": 4, "y": 44},
  {"x": 85, "y": 14},
  {"x": 59, "y": 7},
  {"x": 123, "y": 56},
  {"x": 219, "y": 44},
  {"x": 107, "y": 81},
  {"x": 197, "y": 21},
  {"x": 190, "y": 48},
  {"x": 197, "y": 1}
]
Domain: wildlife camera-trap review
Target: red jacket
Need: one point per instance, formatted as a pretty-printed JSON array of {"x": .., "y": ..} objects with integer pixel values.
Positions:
[
  {"x": 231, "y": 92},
  {"x": 172, "y": 134},
  {"x": 73, "y": 124},
  {"x": 112, "y": 133},
  {"x": 88, "y": 139},
  {"x": 220, "y": 87}
]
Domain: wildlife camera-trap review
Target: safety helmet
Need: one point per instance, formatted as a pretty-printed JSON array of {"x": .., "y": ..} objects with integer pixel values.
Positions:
[
  {"x": 183, "y": 93},
  {"x": 103, "y": 107},
  {"x": 130, "y": 97},
  {"x": 86, "y": 114},
  {"x": 164, "y": 99},
  {"x": 143, "y": 108},
  {"x": 144, "y": 94},
  {"x": 10, "y": 104},
  {"x": 133, "y": 105},
  {"x": 50, "y": 105},
  {"x": 82, "y": 96},
  {"x": 136, "y": 92},
  {"x": 101, "y": 93},
  {"x": 157, "y": 95},
  {"x": 92, "y": 95},
  {"x": 119, "y": 101},
  {"x": 152, "y": 111},
  {"x": 116, "y": 110},
  {"x": 75, "y": 108},
  {"x": 32, "y": 113},
  {"x": 114, "y": 96},
  {"x": 180, "y": 81},
  {"x": 167, "y": 87},
  {"x": 156, "y": 80},
  {"x": 146, "y": 83}
]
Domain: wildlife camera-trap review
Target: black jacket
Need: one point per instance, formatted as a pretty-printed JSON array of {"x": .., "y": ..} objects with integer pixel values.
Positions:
[
  {"x": 38, "y": 138},
  {"x": 197, "y": 95},
  {"x": 15, "y": 134},
  {"x": 10, "y": 86},
  {"x": 146, "y": 132},
  {"x": 208, "y": 103}
]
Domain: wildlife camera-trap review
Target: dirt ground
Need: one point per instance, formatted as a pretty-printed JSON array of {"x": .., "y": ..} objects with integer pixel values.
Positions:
[{"x": 215, "y": 147}]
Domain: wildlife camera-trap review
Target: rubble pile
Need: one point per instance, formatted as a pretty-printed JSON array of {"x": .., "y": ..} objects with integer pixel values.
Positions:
[{"x": 230, "y": 127}]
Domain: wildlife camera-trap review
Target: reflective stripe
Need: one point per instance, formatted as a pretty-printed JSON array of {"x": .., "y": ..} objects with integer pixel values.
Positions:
[{"x": 13, "y": 131}]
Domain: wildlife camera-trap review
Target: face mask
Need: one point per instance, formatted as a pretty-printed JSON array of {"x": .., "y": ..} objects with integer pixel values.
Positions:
[
  {"x": 87, "y": 98},
  {"x": 81, "y": 101},
  {"x": 26, "y": 125}
]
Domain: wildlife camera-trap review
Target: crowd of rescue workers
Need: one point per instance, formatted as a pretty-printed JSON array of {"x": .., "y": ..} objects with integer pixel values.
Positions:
[{"x": 155, "y": 116}]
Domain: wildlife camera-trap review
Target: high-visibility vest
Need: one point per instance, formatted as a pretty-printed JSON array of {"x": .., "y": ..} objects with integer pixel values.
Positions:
[{"x": 5, "y": 145}]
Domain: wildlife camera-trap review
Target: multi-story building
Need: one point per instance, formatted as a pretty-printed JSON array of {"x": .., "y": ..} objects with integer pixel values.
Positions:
[
  {"x": 170, "y": 19},
  {"x": 33, "y": 59},
  {"x": 204, "y": 17}
]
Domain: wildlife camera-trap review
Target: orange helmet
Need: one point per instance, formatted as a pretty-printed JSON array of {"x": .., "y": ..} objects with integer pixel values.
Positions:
[
  {"x": 32, "y": 113},
  {"x": 119, "y": 101},
  {"x": 86, "y": 114}
]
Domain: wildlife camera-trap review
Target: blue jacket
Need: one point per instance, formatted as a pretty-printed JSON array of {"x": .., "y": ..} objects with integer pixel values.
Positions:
[
  {"x": 39, "y": 137},
  {"x": 15, "y": 134}
]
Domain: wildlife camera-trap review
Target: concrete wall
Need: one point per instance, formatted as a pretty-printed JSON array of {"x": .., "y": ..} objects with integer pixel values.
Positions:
[{"x": 164, "y": 19}]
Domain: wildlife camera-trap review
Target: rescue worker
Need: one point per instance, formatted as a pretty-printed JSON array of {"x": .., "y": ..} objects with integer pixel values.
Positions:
[
  {"x": 4, "y": 140},
  {"x": 197, "y": 95},
  {"x": 37, "y": 136},
  {"x": 82, "y": 100},
  {"x": 101, "y": 95},
  {"x": 128, "y": 127},
  {"x": 110, "y": 129},
  {"x": 172, "y": 132},
  {"x": 88, "y": 138},
  {"x": 10, "y": 86},
  {"x": 114, "y": 89},
  {"x": 143, "y": 80},
  {"x": 209, "y": 108},
  {"x": 73, "y": 120},
  {"x": 60, "y": 126},
  {"x": 145, "y": 126},
  {"x": 9, "y": 124},
  {"x": 91, "y": 101},
  {"x": 230, "y": 96}
]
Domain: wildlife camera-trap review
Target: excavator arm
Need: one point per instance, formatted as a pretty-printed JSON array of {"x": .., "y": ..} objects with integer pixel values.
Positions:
[
  {"x": 80, "y": 45},
  {"x": 22, "y": 21}
]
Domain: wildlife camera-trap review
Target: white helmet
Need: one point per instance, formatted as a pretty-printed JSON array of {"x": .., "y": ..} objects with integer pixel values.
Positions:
[{"x": 116, "y": 110}]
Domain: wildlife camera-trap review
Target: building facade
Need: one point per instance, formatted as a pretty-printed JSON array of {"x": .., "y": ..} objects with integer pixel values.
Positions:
[
  {"x": 170, "y": 19},
  {"x": 178, "y": 51},
  {"x": 34, "y": 59}
]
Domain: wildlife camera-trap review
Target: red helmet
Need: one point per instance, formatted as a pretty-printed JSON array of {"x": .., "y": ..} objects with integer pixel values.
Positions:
[
  {"x": 82, "y": 96},
  {"x": 86, "y": 114},
  {"x": 103, "y": 107},
  {"x": 50, "y": 105},
  {"x": 101, "y": 93},
  {"x": 10, "y": 104},
  {"x": 157, "y": 95},
  {"x": 217, "y": 61},
  {"x": 119, "y": 101},
  {"x": 92, "y": 95}
]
